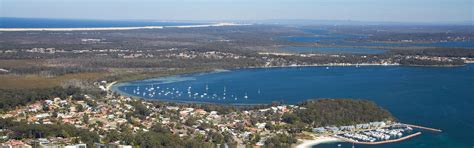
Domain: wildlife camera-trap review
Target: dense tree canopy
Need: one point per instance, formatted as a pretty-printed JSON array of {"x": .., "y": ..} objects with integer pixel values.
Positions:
[
  {"x": 280, "y": 140},
  {"x": 22, "y": 130},
  {"x": 326, "y": 112},
  {"x": 12, "y": 98}
]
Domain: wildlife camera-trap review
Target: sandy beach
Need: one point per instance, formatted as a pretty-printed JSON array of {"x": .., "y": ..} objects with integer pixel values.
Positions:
[
  {"x": 109, "y": 86},
  {"x": 117, "y": 28},
  {"x": 318, "y": 140}
]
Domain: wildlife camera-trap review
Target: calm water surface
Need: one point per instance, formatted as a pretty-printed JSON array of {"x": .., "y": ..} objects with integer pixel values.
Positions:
[
  {"x": 434, "y": 97},
  {"x": 327, "y": 37},
  {"x": 333, "y": 50}
]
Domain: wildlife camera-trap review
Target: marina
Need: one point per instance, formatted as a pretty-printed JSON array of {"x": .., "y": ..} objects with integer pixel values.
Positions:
[
  {"x": 237, "y": 73},
  {"x": 413, "y": 94},
  {"x": 380, "y": 142},
  {"x": 424, "y": 128},
  {"x": 372, "y": 133}
]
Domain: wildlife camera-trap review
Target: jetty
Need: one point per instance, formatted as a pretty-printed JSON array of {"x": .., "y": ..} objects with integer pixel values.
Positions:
[
  {"x": 424, "y": 128},
  {"x": 378, "y": 142}
]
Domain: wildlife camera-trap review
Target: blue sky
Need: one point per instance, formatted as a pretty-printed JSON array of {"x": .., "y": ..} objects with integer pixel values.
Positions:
[{"x": 359, "y": 10}]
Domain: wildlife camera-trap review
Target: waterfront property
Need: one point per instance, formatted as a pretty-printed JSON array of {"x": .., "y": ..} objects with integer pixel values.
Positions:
[
  {"x": 420, "y": 95},
  {"x": 333, "y": 50},
  {"x": 372, "y": 133}
]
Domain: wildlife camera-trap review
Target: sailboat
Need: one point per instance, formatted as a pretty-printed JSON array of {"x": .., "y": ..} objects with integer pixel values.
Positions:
[
  {"x": 224, "y": 90},
  {"x": 224, "y": 93}
]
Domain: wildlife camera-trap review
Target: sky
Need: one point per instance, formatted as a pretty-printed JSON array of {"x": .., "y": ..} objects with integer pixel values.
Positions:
[{"x": 355, "y": 10}]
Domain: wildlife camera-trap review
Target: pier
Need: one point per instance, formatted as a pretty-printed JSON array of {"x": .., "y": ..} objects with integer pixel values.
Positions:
[
  {"x": 379, "y": 142},
  {"x": 424, "y": 128}
]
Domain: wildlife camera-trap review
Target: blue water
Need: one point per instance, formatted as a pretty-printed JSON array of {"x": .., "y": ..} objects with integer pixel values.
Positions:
[
  {"x": 343, "y": 40},
  {"x": 464, "y": 44},
  {"x": 6, "y": 22},
  {"x": 435, "y": 97},
  {"x": 326, "y": 37},
  {"x": 334, "y": 50}
]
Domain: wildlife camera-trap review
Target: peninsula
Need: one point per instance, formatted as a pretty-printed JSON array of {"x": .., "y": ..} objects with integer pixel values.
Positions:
[{"x": 117, "y": 28}]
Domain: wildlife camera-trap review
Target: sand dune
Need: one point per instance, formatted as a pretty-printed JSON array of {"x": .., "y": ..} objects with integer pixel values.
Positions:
[{"x": 116, "y": 28}]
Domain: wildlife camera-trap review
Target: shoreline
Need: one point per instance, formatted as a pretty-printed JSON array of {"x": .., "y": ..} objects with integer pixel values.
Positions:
[
  {"x": 113, "y": 88},
  {"x": 118, "y": 82},
  {"x": 266, "y": 67},
  {"x": 316, "y": 141},
  {"x": 109, "y": 86},
  {"x": 330, "y": 65},
  {"x": 118, "y": 28},
  {"x": 381, "y": 142}
]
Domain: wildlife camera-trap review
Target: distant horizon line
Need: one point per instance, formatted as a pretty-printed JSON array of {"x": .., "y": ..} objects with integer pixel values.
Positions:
[{"x": 270, "y": 21}]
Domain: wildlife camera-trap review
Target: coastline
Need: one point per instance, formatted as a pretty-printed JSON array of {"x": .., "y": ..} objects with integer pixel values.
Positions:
[
  {"x": 119, "y": 28},
  {"x": 109, "y": 86},
  {"x": 119, "y": 82},
  {"x": 330, "y": 65},
  {"x": 112, "y": 87},
  {"x": 381, "y": 142},
  {"x": 316, "y": 141}
]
